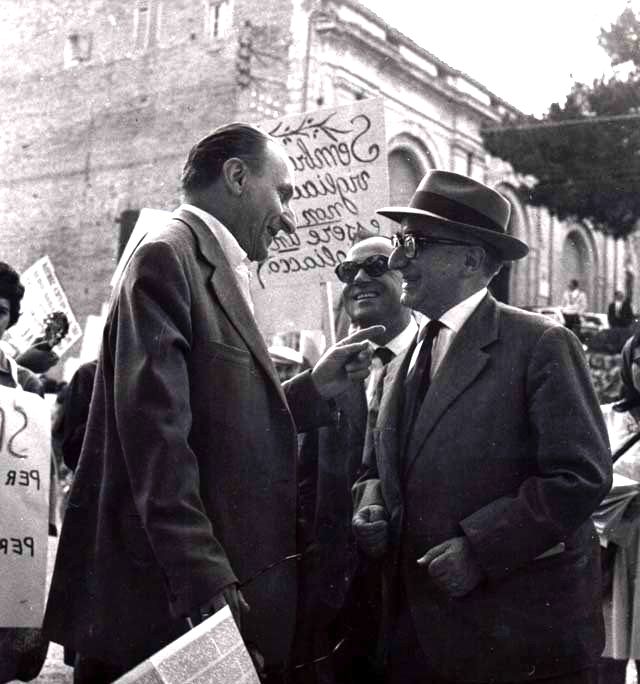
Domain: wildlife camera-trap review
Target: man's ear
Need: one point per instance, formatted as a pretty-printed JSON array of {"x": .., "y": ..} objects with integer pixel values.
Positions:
[
  {"x": 235, "y": 173},
  {"x": 473, "y": 260}
]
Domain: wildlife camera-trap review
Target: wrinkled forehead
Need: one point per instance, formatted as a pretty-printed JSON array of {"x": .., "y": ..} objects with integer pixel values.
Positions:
[{"x": 370, "y": 247}]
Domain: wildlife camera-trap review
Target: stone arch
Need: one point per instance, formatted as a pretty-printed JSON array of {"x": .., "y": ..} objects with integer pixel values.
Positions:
[
  {"x": 409, "y": 159},
  {"x": 579, "y": 259},
  {"x": 417, "y": 137}
]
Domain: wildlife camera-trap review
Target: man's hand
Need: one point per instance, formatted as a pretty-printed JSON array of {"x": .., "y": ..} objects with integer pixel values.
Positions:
[
  {"x": 453, "y": 566},
  {"x": 230, "y": 596},
  {"x": 344, "y": 362},
  {"x": 371, "y": 530}
]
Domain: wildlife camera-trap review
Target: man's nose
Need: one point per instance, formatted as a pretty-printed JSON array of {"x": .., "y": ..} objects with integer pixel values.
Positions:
[
  {"x": 361, "y": 275},
  {"x": 289, "y": 221},
  {"x": 398, "y": 259}
]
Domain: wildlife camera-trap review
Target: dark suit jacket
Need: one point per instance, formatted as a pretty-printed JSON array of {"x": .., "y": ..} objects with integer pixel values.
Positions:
[
  {"x": 509, "y": 449},
  {"x": 623, "y": 319},
  {"x": 330, "y": 460},
  {"x": 187, "y": 477}
]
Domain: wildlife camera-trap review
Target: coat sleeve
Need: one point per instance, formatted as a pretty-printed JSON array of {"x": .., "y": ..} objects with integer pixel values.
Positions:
[
  {"x": 308, "y": 408},
  {"x": 150, "y": 340},
  {"x": 573, "y": 462}
]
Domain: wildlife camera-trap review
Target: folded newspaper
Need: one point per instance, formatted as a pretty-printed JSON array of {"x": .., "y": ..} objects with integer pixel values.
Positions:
[{"x": 211, "y": 653}]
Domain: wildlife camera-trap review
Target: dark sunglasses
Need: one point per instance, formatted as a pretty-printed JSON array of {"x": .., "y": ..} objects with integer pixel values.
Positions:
[
  {"x": 374, "y": 266},
  {"x": 410, "y": 247}
]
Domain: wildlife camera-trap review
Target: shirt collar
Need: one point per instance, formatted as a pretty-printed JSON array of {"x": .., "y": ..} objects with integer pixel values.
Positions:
[
  {"x": 457, "y": 315},
  {"x": 402, "y": 341},
  {"x": 230, "y": 246}
]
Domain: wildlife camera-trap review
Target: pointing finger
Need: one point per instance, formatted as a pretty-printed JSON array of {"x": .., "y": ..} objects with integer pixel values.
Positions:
[{"x": 369, "y": 333}]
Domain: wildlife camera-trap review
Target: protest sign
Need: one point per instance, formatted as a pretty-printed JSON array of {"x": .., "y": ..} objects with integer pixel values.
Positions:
[
  {"x": 25, "y": 434},
  {"x": 213, "y": 651},
  {"x": 340, "y": 164},
  {"x": 43, "y": 295}
]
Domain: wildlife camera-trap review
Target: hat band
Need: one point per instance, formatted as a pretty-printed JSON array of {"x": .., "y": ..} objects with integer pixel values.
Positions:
[{"x": 453, "y": 211}]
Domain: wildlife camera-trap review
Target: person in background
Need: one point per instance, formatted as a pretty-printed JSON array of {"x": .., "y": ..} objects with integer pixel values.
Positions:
[
  {"x": 339, "y": 595},
  {"x": 619, "y": 313},
  {"x": 22, "y": 650},
  {"x": 621, "y": 545},
  {"x": 487, "y": 459},
  {"x": 184, "y": 496},
  {"x": 574, "y": 303},
  {"x": 288, "y": 362},
  {"x": 69, "y": 427}
]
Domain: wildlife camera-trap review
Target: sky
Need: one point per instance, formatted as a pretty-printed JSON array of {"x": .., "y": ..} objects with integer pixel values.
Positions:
[{"x": 528, "y": 53}]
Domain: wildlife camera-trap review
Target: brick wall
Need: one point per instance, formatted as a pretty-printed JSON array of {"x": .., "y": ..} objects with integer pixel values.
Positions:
[{"x": 79, "y": 145}]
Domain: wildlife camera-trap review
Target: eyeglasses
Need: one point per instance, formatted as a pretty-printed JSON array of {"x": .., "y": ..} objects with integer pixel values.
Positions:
[
  {"x": 410, "y": 247},
  {"x": 374, "y": 266}
]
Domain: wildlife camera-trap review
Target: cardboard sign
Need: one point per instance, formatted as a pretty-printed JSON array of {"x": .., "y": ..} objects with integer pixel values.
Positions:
[
  {"x": 339, "y": 158},
  {"x": 43, "y": 295},
  {"x": 25, "y": 436}
]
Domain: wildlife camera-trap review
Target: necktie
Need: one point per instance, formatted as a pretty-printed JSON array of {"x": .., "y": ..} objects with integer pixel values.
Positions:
[
  {"x": 384, "y": 354},
  {"x": 419, "y": 379}
]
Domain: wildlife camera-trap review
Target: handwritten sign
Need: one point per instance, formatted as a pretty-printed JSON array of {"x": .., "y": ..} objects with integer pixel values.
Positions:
[
  {"x": 43, "y": 295},
  {"x": 340, "y": 163},
  {"x": 341, "y": 175},
  {"x": 25, "y": 427}
]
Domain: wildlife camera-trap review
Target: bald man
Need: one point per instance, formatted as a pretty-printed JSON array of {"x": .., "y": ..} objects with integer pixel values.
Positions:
[{"x": 336, "y": 589}]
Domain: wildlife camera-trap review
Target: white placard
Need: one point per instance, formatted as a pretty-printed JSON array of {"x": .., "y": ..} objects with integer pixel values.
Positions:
[
  {"x": 340, "y": 163},
  {"x": 25, "y": 462},
  {"x": 43, "y": 295}
]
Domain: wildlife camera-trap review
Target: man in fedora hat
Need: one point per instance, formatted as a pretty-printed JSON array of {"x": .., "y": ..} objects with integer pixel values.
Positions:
[{"x": 487, "y": 459}]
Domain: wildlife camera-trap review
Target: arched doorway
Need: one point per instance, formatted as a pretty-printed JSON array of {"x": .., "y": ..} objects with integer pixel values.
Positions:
[
  {"x": 405, "y": 173},
  {"x": 576, "y": 262}
]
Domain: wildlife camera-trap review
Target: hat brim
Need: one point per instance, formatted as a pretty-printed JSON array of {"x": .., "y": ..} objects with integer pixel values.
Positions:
[{"x": 509, "y": 247}]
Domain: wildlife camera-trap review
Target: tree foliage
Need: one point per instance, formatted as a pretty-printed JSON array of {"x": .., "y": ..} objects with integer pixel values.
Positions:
[{"x": 582, "y": 160}]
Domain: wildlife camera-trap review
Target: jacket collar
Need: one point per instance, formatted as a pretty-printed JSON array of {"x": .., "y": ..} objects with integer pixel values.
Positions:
[
  {"x": 224, "y": 283},
  {"x": 461, "y": 366}
]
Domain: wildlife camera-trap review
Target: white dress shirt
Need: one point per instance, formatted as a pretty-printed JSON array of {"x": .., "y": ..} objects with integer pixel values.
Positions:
[
  {"x": 452, "y": 320},
  {"x": 236, "y": 256}
]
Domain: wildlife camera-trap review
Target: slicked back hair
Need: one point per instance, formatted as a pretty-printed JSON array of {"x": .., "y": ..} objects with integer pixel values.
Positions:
[
  {"x": 206, "y": 157},
  {"x": 12, "y": 289}
]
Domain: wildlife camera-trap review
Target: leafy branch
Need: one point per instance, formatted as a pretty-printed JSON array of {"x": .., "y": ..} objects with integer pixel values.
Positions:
[{"x": 308, "y": 128}]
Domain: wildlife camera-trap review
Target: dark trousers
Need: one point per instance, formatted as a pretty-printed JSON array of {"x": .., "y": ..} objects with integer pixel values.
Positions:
[
  {"x": 407, "y": 663},
  {"x": 92, "y": 671},
  {"x": 612, "y": 671}
]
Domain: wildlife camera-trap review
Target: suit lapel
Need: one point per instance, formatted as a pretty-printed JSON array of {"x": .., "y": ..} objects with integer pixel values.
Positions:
[
  {"x": 461, "y": 366},
  {"x": 228, "y": 293}
]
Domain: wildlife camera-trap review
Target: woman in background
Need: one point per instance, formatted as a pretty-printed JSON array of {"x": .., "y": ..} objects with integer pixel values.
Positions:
[
  {"x": 621, "y": 542},
  {"x": 22, "y": 650}
]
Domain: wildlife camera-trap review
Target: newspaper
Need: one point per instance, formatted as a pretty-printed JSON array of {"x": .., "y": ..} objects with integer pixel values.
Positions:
[{"x": 211, "y": 653}]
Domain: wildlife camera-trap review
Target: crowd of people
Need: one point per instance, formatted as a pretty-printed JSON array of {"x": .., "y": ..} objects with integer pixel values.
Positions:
[{"x": 415, "y": 507}]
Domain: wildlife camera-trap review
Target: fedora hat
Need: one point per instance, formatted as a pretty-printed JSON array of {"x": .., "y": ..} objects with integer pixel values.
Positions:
[{"x": 471, "y": 208}]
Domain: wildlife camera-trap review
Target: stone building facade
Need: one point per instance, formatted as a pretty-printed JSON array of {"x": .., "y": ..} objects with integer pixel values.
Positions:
[{"x": 101, "y": 100}]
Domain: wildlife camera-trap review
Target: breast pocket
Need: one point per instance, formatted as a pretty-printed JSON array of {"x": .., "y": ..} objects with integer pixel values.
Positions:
[
  {"x": 232, "y": 381},
  {"x": 225, "y": 352}
]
